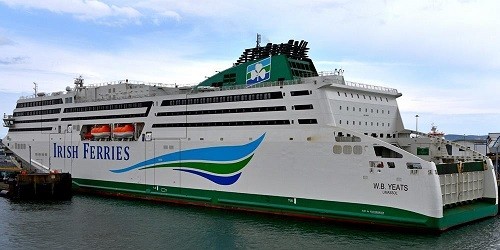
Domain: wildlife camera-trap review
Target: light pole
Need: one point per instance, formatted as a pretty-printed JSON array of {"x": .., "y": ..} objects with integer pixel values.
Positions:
[{"x": 416, "y": 123}]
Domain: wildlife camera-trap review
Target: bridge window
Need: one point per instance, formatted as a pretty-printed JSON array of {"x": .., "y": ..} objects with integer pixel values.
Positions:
[
  {"x": 412, "y": 165},
  {"x": 384, "y": 152}
]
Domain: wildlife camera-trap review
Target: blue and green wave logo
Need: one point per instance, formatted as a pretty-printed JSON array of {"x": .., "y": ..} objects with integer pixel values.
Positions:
[{"x": 220, "y": 164}]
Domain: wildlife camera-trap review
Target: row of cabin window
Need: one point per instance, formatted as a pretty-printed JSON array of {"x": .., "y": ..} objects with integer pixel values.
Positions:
[
  {"x": 376, "y": 98},
  {"x": 220, "y": 124},
  {"x": 217, "y": 99},
  {"x": 99, "y": 117},
  {"x": 366, "y": 123},
  {"x": 234, "y": 123},
  {"x": 39, "y": 103},
  {"x": 30, "y": 129},
  {"x": 366, "y": 110},
  {"x": 381, "y": 135},
  {"x": 347, "y": 149},
  {"x": 39, "y": 120},
  {"x": 380, "y": 164},
  {"x": 105, "y": 107},
  {"x": 223, "y": 111},
  {"x": 19, "y": 145},
  {"x": 357, "y": 150},
  {"x": 352, "y": 138},
  {"x": 37, "y": 112}
]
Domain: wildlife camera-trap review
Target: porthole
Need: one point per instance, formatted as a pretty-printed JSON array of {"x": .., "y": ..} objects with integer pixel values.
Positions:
[
  {"x": 347, "y": 149},
  {"x": 337, "y": 149},
  {"x": 357, "y": 150}
]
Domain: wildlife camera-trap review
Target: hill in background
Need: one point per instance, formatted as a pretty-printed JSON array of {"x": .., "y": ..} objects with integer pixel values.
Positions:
[{"x": 453, "y": 137}]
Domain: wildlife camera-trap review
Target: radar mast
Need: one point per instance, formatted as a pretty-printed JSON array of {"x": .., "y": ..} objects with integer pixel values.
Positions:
[{"x": 79, "y": 82}]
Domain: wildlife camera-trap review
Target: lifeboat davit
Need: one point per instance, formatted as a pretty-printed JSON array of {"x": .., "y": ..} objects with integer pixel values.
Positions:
[
  {"x": 124, "y": 131},
  {"x": 101, "y": 131}
]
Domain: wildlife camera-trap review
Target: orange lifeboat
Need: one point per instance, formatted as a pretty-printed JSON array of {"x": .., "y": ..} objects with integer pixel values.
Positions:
[
  {"x": 124, "y": 131},
  {"x": 101, "y": 131},
  {"x": 88, "y": 136}
]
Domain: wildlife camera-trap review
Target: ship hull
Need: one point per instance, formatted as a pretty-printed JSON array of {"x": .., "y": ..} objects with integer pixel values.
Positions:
[{"x": 301, "y": 208}]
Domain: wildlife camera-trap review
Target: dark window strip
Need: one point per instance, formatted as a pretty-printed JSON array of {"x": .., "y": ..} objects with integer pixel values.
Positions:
[
  {"x": 221, "y": 99},
  {"x": 37, "y": 112},
  {"x": 30, "y": 129},
  {"x": 223, "y": 111},
  {"x": 299, "y": 92},
  {"x": 39, "y": 103},
  {"x": 109, "y": 107},
  {"x": 102, "y": 117},
  {"x": 222, "y": 124},
  {"x": 308, "y": 121},
  {"x": 303, "y": 107},
  {"x": 39, "y": 120}
]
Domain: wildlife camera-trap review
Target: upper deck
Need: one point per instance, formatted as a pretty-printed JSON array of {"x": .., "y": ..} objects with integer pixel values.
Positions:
[{"x": 126, "y": 89}]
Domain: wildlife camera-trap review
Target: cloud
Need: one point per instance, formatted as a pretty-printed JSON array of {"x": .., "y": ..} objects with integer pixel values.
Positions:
[
  {"x": 454, "y": 32},
  {"x": 93, "y": 10},
  {"x": 101, "y": 12},
  {"x": 162, "y": 17},
  {"x": 13, "y": 60},
  {"x": 54, "y": 66},
  {"x": 5, "y": 41}
]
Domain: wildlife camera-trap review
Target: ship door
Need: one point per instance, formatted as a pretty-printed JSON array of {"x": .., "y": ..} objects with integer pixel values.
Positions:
[
  {"x": 159, "y": 178},
  {"x": 149, "y": 153},
  {"x": 69, "y": 143},
  {"x": 57, "y": 158}
]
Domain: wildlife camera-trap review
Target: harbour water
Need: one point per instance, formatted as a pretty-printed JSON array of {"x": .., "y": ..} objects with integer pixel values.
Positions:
[{"x": 91, "y": 222}]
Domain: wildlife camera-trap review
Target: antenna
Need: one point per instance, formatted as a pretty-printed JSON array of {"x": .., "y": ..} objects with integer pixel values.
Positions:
[
  {"x": 258, "y": 41},
  {"x": 79, "y": 82},
  {"x": 35, "y": 88}
]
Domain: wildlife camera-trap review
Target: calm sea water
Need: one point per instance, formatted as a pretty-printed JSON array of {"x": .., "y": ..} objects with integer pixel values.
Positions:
[{"x": 91, "y": 222}]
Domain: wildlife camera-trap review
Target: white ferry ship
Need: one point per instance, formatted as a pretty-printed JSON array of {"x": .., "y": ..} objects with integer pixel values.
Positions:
[{"x": 269, "y": 134}]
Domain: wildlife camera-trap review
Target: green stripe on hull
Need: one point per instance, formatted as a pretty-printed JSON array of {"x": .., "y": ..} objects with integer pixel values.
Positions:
[
  {"x": 299, "y": 207},
  {"x": 216, "y": 168}
]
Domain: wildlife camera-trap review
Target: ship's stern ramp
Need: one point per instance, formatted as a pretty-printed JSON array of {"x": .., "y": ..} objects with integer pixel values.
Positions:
[
  {"x": 461, "y": 181},
  {"x": 467, "y": 179}
]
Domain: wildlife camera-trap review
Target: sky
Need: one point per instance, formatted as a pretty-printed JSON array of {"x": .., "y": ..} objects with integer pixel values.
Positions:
[{"x": 443, "y": 56}]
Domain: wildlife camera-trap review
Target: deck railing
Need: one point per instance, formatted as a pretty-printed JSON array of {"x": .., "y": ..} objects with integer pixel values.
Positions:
[
  {"x": 239, "y": 86},
  {"x": 371, "y": 87}
]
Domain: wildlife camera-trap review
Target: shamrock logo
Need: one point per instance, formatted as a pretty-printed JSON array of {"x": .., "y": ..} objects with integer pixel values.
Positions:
[{"x": 258, "y": 72}]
